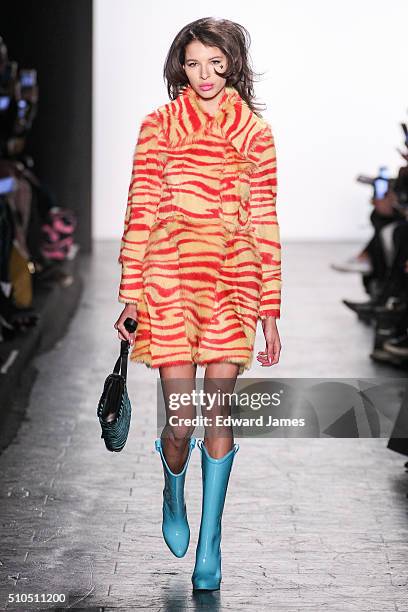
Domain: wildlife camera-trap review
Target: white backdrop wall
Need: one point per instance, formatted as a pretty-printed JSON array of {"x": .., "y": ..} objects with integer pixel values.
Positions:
[{"x": 335, "y": 84}]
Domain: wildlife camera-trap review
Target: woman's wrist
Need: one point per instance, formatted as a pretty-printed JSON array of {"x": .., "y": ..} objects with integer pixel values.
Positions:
[{"x": 269, "y": 318}]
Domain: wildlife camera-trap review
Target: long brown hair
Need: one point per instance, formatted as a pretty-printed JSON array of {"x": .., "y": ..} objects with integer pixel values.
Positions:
[{"x": 234, "y": 41}]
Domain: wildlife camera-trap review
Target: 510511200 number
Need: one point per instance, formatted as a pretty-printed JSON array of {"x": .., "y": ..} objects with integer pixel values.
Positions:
[{"x": 36, "y": 597}]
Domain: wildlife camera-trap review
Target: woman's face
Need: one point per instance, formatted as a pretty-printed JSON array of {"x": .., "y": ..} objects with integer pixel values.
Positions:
[{"x": 200, "y": 62}]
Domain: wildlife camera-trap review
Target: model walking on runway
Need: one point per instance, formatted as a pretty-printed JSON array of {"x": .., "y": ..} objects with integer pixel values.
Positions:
[{"x": 201, "y": 261}]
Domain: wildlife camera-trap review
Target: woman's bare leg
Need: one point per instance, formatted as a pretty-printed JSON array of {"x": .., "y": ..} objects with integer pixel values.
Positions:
[
  {"x": 220, "y": 377},
  {"x": 175, "y": 438}
]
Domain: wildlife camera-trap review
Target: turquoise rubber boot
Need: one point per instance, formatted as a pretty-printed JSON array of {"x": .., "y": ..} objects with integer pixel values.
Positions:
[
  {"x": 215, "y": 475},
  {"x": 175, "y": 527}
]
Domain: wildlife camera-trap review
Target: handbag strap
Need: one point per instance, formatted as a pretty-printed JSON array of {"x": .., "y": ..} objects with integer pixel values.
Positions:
[{"x": 122, "y": 360}]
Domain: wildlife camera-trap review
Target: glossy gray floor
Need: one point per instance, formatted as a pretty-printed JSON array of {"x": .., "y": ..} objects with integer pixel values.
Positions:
[{"x": 308, "y": 523}]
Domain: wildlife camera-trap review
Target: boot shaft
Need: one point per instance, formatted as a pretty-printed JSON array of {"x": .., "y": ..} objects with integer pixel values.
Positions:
[
  {"x": 215, "y": 478},
  {"x": 174, "y": 483}
]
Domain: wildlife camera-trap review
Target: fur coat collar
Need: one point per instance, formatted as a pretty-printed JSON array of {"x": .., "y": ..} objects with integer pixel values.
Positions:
[{"x": 185, "y": 121}]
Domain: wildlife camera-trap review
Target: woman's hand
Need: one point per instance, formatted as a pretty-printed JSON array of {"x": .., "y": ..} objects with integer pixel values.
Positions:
[
  {"x": 273, "y": 345},
  {"x": 128, "y": 311}
]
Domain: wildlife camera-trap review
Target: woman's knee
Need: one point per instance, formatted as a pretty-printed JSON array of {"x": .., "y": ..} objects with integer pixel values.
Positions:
[{"x": 179, "y": 433}]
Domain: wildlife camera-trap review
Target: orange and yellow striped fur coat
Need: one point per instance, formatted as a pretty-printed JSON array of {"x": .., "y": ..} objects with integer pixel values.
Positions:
[{"x": 200, "y": 251}]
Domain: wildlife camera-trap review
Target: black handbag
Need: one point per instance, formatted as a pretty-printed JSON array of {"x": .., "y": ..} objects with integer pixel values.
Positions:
[{"x": 114, "y": 408}]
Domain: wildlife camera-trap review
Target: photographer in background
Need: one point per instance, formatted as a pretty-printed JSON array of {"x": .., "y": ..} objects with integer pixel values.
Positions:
[
  {"x": 387, "y": 307},
  {"x": 390, "y": 221},
  {"x": 374, "y": 260}
]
